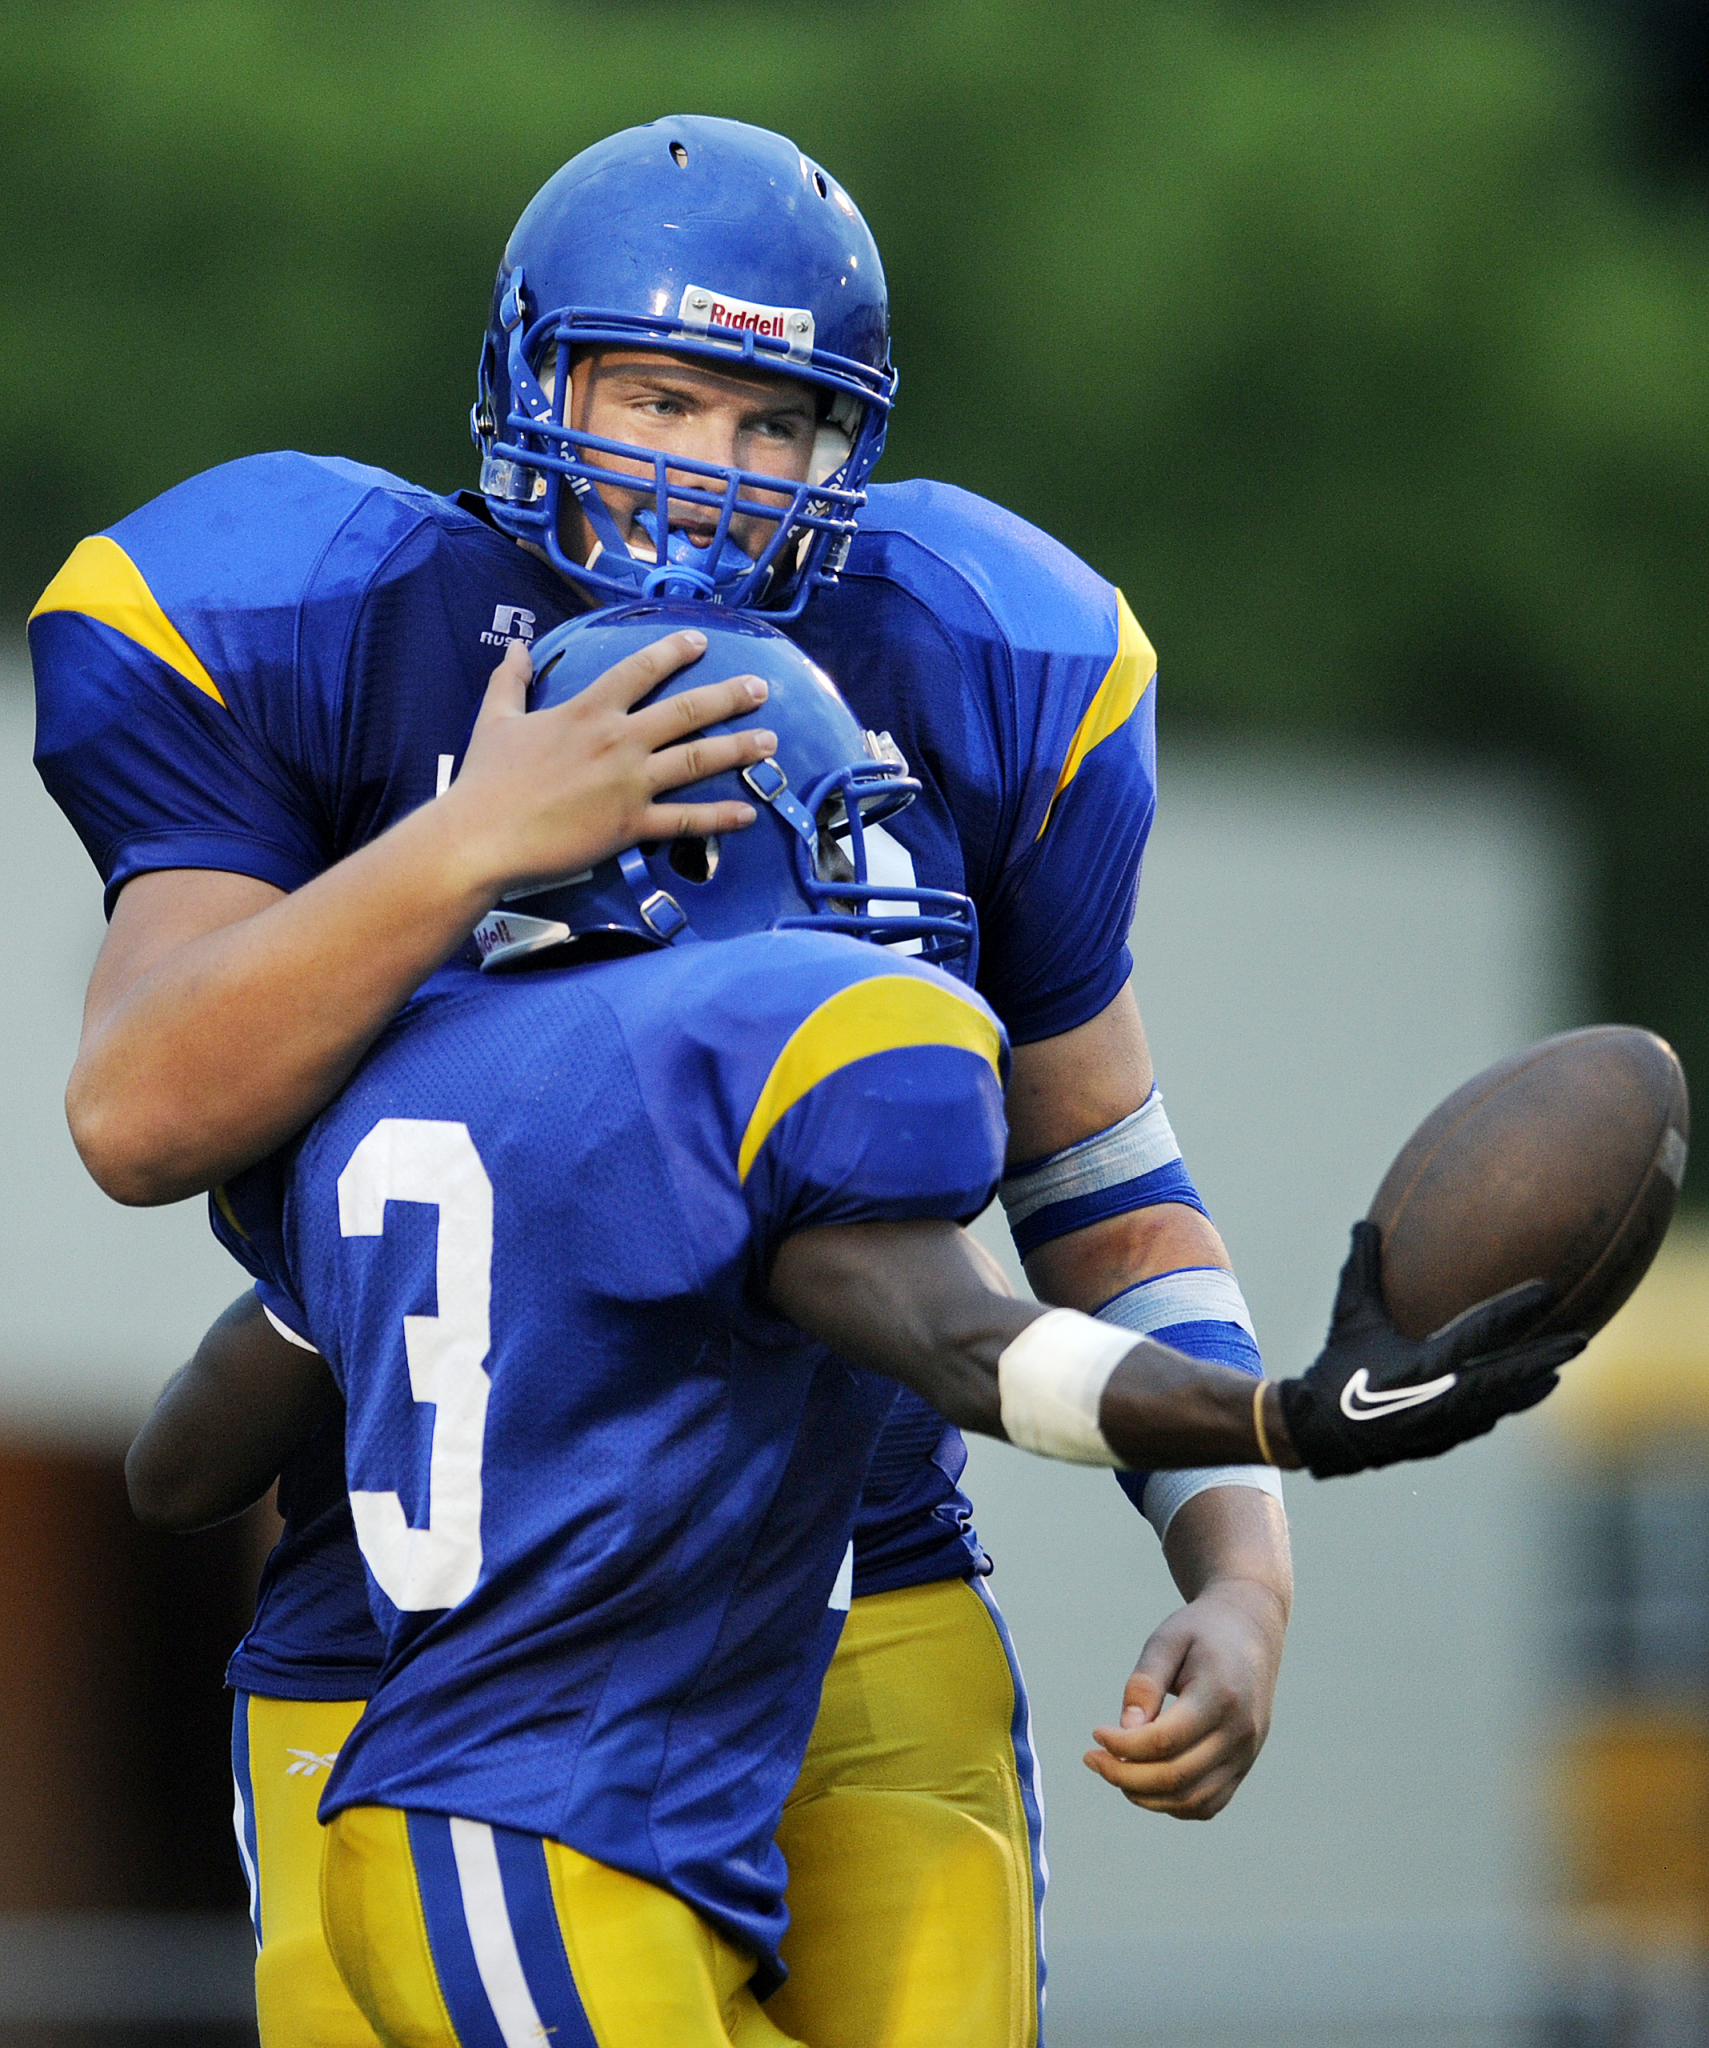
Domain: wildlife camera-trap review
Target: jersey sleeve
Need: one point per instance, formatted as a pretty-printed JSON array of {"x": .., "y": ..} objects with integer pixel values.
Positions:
[
  {"x": 246, "y": 1215},
  {"x": 189, "y": 670},
  {"x": 885, "y": 1102},
  {"x": 1054, "y": 925},
  {"x": 1024, "y": 699}
]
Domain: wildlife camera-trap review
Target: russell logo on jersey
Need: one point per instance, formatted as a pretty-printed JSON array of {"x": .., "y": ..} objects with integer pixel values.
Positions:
[{"x": 510, "y": 622}]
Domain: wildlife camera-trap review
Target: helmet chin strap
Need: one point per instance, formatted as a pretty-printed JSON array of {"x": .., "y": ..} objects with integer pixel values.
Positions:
[
  {"x": 685, "y": 569},
  {"x": 660, "y": 912}
]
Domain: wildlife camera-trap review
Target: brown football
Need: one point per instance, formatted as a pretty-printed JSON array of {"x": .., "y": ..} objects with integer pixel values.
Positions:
[{"x": 1560, "y": 1163}]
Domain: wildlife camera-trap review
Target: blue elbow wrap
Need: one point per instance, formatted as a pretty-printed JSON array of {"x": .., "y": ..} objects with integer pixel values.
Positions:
[
  {"x": 1199, "y": 1310},
  {"x": 1135, "y": 1164}
]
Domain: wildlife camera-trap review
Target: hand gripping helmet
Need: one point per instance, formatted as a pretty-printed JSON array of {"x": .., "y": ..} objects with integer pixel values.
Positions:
[
  {"x": 708, "y": 239},
  {"x": 800, "y": 866}
]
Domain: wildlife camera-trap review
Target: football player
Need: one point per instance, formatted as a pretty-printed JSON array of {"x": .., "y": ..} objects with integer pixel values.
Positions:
[
  {"x": 586, "y": 1213},
  {"x": 249, "y": 689}
]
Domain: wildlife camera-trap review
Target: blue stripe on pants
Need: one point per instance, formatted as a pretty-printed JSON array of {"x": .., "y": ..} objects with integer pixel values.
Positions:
[
  {"x": 539, "y": 1939},
  {"x": 243, "y": 1812},
  {"x": 1032, "y": 1794},
  {"x": 492, "y": 1926},
  {"x": 448, "y": 1932}
]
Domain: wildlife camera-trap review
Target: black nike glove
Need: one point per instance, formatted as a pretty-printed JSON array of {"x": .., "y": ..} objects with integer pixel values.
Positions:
[{"x": 1375, "y": 1397}]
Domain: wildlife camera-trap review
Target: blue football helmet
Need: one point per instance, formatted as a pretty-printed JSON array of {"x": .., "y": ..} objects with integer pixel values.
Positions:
[
  {"x": 801, "y": 865},
  {"x": 703, "y": 238}
]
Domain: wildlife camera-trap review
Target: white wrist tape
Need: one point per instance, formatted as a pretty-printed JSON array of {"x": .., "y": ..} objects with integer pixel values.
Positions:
[{"x": 1050, "y": 1381}]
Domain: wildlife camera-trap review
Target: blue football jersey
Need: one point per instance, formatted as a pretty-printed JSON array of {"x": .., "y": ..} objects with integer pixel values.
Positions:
[
  {"x": 261, "y": 670},
  {"x": 604, "y": 1494},
  {"x": 270, "y": 664}
]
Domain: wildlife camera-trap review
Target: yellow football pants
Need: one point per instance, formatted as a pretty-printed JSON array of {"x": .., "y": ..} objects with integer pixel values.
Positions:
[
  {"x": 911, "y": 1837},
  {"x": 281, "y": 1753},
  {"x": 453, "y": 1934}
]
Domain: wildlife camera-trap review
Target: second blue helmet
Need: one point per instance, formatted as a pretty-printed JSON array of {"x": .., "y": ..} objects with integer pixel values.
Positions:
[{"x": 802, "y": 864}]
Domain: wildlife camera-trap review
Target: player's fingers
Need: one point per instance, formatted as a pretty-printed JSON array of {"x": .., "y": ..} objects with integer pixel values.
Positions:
[
  {"x": 1158, "y": 1671},
  {"x": 1191, "y": 1787},
  {"x": 693, "y": 821},
  {"x": 689, "y": 710},
  {"x": 1181, "y": 1725},
  {"x": 1543, "y": 1355},
  {"x": 1511, "y": 1388},
  {"x": 694, "y": 760},
  {"x": 1360, "y": 1286},
  {"x": 507, "y": 686},
  {"x": 1550, "y": 1353},
  {"x": 1491, "y": 1325},
  {"x": 1525, "y": 1390},
  {"x": 626, "y": 682},
  {"x": 1204, "y": 1801},
  {"x": 1142, "y": 1699},
  {"x": 1177, "y": 1772}
]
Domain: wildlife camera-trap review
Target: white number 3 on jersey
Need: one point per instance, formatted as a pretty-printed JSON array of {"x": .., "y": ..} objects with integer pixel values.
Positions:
[{"x": 405, "y": 1159}]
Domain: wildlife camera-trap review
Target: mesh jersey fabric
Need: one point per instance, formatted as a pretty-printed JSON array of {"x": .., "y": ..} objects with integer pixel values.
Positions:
[
  {"x": 266, "y": 666},
  {"x": 668, "y": 1472}
]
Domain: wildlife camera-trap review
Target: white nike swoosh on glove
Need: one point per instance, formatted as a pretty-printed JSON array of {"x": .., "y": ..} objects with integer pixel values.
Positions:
[{"x": 1359, "y": 1403}]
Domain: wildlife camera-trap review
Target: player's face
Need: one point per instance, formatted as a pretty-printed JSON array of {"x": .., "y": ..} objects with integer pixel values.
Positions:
[{"x": 683, "y": 407}]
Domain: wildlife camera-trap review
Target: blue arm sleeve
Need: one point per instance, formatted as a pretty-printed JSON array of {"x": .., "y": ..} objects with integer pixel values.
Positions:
[{"x": 1199, "y": 1310}]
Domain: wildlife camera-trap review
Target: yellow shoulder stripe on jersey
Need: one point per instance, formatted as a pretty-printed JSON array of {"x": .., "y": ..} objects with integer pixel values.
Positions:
[
  {"x": 881, "y": 1014},
  {"x": 101, "y": 581},
  {"x": 223, "y": 1201},
  {"x": 1129, "y": 676}
]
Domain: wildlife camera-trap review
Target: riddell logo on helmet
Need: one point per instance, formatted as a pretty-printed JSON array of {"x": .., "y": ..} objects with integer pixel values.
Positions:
[{"x": 792, "y": 325}]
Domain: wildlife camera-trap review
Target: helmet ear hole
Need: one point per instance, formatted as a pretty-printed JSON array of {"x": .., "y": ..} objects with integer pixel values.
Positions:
[{"x": 695, "y": 859}]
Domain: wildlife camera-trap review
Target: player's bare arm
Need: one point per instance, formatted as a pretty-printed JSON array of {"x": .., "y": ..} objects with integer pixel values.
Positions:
[
  {"x": 921, "y": 1301},
  {"x": 1064, "y": 1089},
  {"x": 1220, "y": 1655},
  {"x": 1189, "y": 1730},
  {"x": 226, "y": 1422},
  {"x": 222, "y": 1014}
]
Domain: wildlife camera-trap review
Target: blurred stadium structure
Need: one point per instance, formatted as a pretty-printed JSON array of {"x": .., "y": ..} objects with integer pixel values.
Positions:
[
  {"x": 1366, "y": 346},
  {"x": 1630, "y": 1782}
]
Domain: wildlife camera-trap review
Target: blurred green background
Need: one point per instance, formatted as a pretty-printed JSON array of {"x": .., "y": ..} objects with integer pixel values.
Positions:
[{"x": 1365, "y": 346}]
